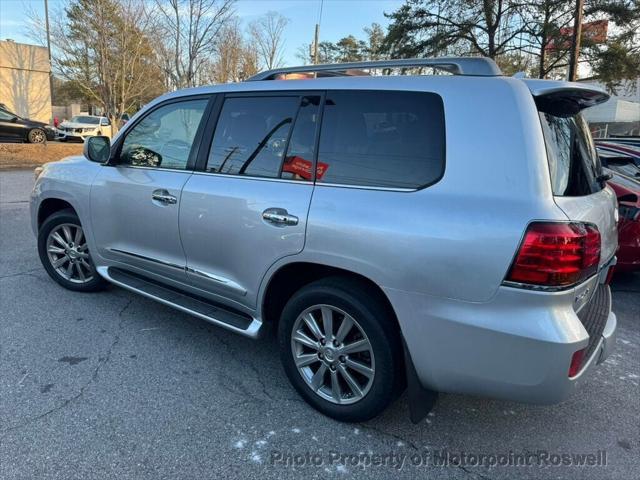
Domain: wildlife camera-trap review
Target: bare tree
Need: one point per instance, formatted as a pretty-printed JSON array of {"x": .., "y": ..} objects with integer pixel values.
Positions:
[
  {"x": 103, "y": 48},
  {"x": 233, "y": 59},
  {"x": 267, "y": 37},
  {"x": 189, "y": 34}
]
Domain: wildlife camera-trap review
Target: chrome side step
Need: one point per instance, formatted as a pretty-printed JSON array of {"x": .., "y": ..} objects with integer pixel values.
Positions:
[{"x": 212, "y": 313}]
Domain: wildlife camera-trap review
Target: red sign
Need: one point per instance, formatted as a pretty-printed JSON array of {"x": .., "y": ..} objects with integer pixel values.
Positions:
[
  {"x": 302, "y": 167},
  {"x": 592, "y": 32}
]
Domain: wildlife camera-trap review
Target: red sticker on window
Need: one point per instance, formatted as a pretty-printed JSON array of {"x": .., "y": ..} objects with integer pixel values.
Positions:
[{"x": 302, "y": 167}]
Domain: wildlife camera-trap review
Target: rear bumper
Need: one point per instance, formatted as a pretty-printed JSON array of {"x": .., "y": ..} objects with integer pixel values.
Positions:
[{"x": 518, "y": 346}]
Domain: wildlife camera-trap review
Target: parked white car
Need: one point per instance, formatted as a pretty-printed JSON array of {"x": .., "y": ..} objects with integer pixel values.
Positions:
[{"x": 82, "y": 126}]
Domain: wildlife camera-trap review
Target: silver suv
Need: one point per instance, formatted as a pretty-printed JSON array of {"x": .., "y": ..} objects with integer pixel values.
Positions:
[{"x": 445, "y": 233}]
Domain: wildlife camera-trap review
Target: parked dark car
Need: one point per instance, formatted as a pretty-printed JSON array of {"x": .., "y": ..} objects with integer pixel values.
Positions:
[{"x": 14, "y": 128}]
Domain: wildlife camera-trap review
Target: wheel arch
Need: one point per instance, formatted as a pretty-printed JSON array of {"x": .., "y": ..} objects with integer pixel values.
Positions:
[
  {"x": 49, "y": 206},
  {"x": 290, "y": 277}
]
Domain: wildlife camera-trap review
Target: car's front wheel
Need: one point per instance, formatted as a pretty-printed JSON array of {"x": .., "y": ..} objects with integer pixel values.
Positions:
[
  {"x": 64, "y": 253},
  {"x": 340, "y": 349},
  {"x": 37, "y": 136}
]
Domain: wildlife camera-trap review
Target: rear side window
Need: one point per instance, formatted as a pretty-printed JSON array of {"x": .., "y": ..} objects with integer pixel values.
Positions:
[
  {"x": 381, "y": 139},
  {"x": 573, "y": 162}
]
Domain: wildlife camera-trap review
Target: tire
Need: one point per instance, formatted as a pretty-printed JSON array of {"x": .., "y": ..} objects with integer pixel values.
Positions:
[
  {"x": 371, "y": 321},
  {"x": 51, "y": 249},
  {"x": 37, "y": 135}
]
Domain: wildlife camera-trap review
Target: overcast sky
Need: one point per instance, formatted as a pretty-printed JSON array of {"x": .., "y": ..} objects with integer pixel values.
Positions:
[{"x": 339, "y": 18}]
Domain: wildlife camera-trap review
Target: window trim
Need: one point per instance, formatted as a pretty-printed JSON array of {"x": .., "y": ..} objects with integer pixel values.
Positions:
[
  {"x": 212, "y": 124},
  {"x": 116, "y": 148}
]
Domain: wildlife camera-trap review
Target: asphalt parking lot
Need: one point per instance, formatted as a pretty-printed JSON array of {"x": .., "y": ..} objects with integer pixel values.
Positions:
[{"x": 112, "y": 385}]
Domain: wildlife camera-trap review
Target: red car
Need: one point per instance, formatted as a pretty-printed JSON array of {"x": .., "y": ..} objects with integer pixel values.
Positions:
[{"x": 628, "y": 193}]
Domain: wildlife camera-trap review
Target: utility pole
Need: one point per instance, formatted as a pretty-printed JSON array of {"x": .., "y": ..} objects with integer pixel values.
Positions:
[
  {"x": 46, "y": 19},
  {"x": 575, "y": 41},
  {"x": 316, "y": 41},
  {"x": 315, "y": 45}
]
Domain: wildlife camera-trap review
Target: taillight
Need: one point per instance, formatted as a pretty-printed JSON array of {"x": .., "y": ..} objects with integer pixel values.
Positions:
[{"x": 556, "y": 254}]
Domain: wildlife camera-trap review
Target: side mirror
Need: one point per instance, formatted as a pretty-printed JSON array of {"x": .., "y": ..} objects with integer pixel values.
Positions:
[
  {"x": 14, "y": 119},
  {"x": 97, "y": 149}
]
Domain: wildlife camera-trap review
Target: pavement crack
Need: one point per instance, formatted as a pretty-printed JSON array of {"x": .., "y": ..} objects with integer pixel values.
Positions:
[
  {"x": 102, "y": 361},
  {"x": 257, "y": 375},
  {"x": 25, "y": 272}
]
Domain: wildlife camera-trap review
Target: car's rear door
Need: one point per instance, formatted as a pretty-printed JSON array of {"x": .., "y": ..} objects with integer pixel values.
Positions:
[
  {"x": 247, "y": 206},
  {"x": 135, "y": 202}
]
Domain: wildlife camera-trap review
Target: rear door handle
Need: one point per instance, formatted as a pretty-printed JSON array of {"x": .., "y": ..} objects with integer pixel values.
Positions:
[
  {"x": 164, "y": 197},
  {"x": 279, "y": 216}
]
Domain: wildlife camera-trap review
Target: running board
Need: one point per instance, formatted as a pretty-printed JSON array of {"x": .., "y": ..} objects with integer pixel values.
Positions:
[{"x": 212, "y": 313}]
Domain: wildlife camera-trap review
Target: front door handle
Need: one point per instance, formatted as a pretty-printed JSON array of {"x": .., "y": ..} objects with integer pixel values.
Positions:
[
  {"x": 164, "y": 197},
  {"x": 279, "y": 216}
]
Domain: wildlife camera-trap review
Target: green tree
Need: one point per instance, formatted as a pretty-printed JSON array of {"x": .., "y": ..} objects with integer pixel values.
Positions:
[
  {"x": 435, "y": 27},
  {"x": 375, "y": 42},
  {"x": 349, "y": 49}
]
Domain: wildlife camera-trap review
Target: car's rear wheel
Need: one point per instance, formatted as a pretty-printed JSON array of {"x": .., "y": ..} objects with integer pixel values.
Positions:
[
  {"x": 64, "y": 253},
  {"x": 340, "y": 349},
  {"x": 37, "y": 135}
]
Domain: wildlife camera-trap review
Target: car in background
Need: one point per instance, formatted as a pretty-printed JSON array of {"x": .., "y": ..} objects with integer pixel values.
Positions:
[
  {"x": 628, "y": 194},
  {"x": 82, "y": 126},
  {"x": 14, "y": 128},
  {"x": 620, "y": 163},
  {"x": 124, "y": 118},
  {"x": 619, "y": 147},
  {"x": 633, "y": 141}
]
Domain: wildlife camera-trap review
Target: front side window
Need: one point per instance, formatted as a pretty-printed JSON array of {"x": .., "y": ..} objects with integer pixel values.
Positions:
[
  {"x": 382, "y": 139},
  {"x": 252, "y": 134},
  {"x": 573, "y": 161},
  {"x": 164, "y": 138}
]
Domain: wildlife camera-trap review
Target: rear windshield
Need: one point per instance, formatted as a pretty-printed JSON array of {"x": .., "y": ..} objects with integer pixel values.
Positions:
[{"x": 573, "y": 162}]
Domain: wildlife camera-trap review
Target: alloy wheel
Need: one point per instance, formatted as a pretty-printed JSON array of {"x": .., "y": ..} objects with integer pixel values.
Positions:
[
  {"x": 68, "y": 253},
  {"x": 333, "y": 354},
  {"x": 38, "y": 136}
]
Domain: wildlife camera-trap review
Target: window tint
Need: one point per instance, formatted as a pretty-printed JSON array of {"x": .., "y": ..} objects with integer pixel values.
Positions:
[
  {"x": 164, "y": 137},
  {"x": 573, "y": 162},
  {"x": 6, "y": 116},
  {"x": 383, "y": 139},
  {"x": 251, "y": 135}
]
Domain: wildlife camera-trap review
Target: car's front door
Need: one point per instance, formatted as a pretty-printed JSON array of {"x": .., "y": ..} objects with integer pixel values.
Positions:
[
  {"x": 135, "y": 202},
  {"x": 248, "y": 206}
]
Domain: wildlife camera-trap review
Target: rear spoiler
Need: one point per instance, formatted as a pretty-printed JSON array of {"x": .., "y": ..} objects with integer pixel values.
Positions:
[{"x": 565, "y": 98}]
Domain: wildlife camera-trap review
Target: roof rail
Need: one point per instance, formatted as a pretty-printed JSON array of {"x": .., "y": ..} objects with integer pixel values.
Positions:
[{"x": 481, "y": 66}]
